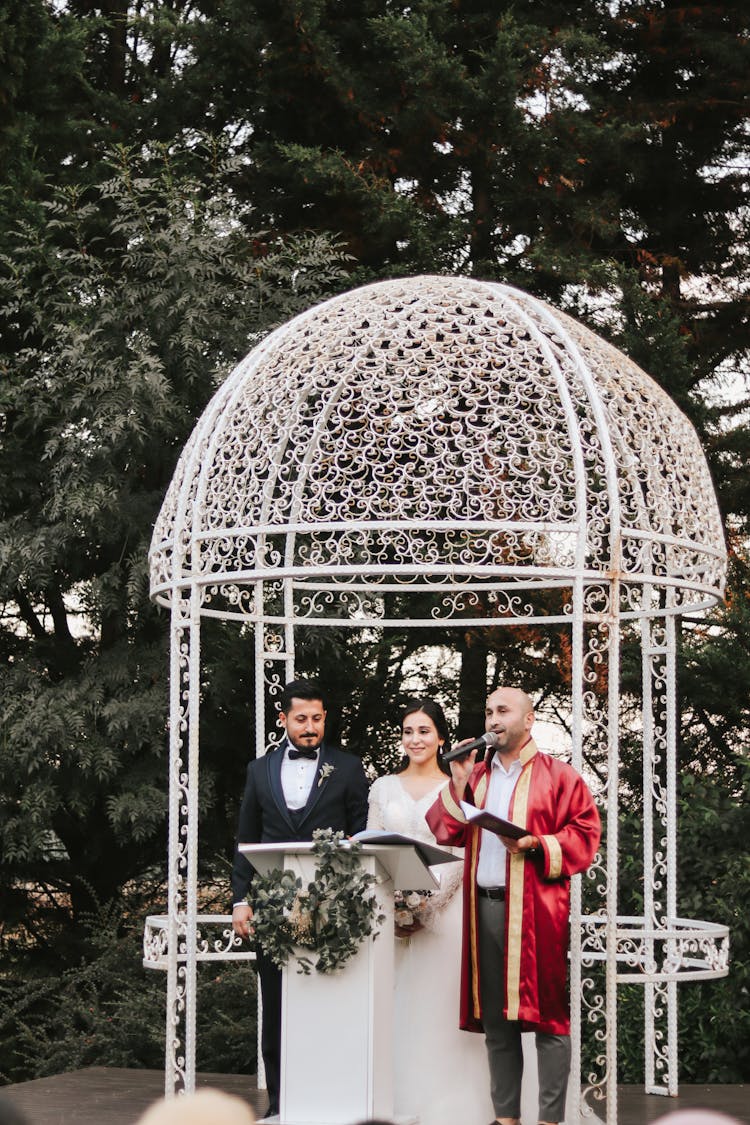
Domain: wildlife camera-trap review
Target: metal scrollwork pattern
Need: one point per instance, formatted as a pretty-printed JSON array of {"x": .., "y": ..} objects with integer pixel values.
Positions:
[
  {"x": 680, "y": 948},
  {"x": 214, "y": 940},
  {"x": 431, "y": 427}
]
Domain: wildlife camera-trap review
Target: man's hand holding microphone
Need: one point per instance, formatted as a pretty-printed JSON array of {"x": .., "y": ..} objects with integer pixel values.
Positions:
[{"x": 462, "y": 758}]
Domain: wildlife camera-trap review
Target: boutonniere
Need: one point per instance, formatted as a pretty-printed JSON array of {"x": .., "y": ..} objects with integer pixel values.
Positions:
[{"x": 325, "y": 772}]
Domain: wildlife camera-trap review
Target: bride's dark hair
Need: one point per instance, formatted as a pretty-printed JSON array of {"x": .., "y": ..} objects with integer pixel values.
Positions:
[{"x": 435, "y": 712}]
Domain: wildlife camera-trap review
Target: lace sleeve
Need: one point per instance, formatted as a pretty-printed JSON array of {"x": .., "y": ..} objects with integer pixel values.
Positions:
[
  {"x": 450, "y": 881},
  {"x": 376, "y": 799}
]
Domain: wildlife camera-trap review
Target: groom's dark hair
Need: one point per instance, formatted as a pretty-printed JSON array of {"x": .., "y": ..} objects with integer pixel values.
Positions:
[{"x": 301, "y": 689}]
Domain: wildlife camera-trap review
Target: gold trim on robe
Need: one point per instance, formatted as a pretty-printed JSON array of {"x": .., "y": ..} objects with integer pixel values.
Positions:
[
  {"x": 474, "y": 927},
  {"x": 514, "y": 891},
  {"x": 480, "y": 796},
  {"x": 480, "y": 793},
  {"x": 554, "y": 852},
  {"x": 451, "y": 805}
]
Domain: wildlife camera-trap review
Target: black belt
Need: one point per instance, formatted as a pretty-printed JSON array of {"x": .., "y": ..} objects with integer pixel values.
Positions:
[{"x": 491, "y": 892}]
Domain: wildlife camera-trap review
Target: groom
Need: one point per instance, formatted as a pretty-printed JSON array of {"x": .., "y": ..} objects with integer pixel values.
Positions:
[{"x": 297, "y": 787}]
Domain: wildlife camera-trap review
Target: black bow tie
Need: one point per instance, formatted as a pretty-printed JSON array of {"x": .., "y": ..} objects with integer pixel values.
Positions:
[{"x": 304, "y": 752}]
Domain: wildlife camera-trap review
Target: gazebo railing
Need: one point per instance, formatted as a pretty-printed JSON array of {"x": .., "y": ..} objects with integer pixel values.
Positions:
[{"x": 220, "y": 945}]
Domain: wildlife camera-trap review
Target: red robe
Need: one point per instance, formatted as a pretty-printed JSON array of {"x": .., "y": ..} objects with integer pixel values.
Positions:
[{"x": 552, "y": 801}]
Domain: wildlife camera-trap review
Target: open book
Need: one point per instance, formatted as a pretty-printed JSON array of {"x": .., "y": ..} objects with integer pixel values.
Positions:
[
  {"x": 494, "y": 823},
  {"x": 430, "y": 854}
]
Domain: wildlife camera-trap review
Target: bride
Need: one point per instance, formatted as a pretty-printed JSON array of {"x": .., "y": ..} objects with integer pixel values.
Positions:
[{"x": 440, "y": 1073}]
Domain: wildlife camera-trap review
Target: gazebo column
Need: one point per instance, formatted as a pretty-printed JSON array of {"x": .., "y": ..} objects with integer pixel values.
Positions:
[
  {"x": 274, "y": 666},
  {"x": 182, "y": 882},
  {"x": 274, "y": 649},
  {"x": 576, "y": 896},
  {"x": 612, "y": 628},
  {"x": 659, "y": 659},
  {"x": 673, "y": 953},
  {"x": 650, "y": 653},
  {"x": 597, "y": 970}
]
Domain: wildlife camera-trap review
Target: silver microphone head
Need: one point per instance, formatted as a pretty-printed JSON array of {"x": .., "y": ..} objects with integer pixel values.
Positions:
[{"x": 490, "y": 738}]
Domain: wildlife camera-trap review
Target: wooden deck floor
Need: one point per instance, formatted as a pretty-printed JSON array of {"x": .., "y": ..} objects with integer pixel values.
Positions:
[{"x": 112, "y": 1096}]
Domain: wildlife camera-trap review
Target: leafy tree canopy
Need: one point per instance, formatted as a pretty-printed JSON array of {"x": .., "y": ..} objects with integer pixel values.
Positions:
[{"x": 128, "y": 305}]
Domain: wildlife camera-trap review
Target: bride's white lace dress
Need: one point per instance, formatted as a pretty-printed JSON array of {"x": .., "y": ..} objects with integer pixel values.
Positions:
[{"x": 440, "y": 1073}]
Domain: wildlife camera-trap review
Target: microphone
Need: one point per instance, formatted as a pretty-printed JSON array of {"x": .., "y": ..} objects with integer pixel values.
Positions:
[{"x": 458, "y": 752}]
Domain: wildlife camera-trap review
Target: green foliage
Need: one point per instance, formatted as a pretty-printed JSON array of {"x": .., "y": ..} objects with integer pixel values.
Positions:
[
  {"x": 108, "y": 1010},
  {"x": 43, "y": 98},
  {"x": 714, "y": 883},
  {"x": 104, "y": 1011},
  {"x": 331, "y": 916},
  {"x": 713, "y": 886},
  {"x": 226, "y": 1023},
  {"x": 715, "y": 685},
  {"x": 120, "y": 316}
]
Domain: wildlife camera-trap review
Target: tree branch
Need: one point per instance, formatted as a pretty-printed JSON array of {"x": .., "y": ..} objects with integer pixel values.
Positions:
[
  {"x": 59, "y": 615},
  {"x": 29, "y": 615}
]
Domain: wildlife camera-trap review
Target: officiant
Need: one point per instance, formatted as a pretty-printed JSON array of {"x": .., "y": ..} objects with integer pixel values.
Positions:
[
  {"x": 297, "y": 787},
  {"x": 517, "y": 899}
]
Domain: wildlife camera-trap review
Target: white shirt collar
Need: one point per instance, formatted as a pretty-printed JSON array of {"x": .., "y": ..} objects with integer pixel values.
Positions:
[{"x": 497, "y": 763}]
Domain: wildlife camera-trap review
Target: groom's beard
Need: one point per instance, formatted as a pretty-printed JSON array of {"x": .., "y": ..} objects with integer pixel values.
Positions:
[{"x": 307, "y": 741}]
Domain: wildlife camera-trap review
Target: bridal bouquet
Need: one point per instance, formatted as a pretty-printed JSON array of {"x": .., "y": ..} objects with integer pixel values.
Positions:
[
  {"x": 421, "y": 910},
  {"x": 410, "y": 911}
]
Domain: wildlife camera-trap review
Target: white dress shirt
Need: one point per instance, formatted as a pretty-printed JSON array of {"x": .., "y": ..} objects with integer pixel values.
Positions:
[
  {"x": 297, "y": 778},
  {"x": 492, "y": 851}
]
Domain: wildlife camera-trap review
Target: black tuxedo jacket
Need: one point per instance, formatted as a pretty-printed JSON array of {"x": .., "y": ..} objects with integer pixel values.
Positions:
[{"x": 337, "y": 801}]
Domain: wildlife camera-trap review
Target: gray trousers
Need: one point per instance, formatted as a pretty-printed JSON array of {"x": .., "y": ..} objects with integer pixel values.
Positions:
[{"x": 503, "y": 1037}]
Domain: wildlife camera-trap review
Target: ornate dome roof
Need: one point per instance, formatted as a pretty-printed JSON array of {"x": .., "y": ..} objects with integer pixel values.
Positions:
[{"x": 440, "y": 434}]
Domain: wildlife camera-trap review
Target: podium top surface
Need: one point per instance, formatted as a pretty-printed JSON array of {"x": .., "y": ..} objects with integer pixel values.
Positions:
[{"x": 407, "y": 862}]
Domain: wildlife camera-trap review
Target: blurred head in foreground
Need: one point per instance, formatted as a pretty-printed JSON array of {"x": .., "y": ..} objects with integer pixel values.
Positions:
[
  {"x": 205, "y": 1107},
  {"x": 10, "y": 1114},
  {"x": 696, "y": 1117}
]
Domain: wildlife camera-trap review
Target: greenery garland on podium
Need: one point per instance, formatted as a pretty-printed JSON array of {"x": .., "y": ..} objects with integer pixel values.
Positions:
[{"x": 330, "y": 917}]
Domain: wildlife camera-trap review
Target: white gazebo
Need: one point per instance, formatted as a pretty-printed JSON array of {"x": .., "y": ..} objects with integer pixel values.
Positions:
[{"x": 438, "y": 452}]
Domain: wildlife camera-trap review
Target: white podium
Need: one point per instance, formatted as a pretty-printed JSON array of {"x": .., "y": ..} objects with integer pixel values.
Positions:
[{"x": 337, "y": 1028}]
